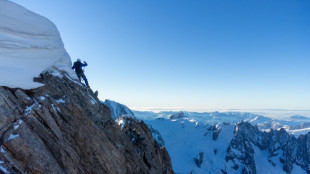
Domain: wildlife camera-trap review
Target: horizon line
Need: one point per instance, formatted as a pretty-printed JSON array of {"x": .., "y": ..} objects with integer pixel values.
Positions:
[{"x": 167, "y": 109}]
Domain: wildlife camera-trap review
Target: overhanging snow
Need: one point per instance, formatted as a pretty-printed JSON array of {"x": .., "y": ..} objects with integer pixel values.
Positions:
[{"x": 29, "y": 44}]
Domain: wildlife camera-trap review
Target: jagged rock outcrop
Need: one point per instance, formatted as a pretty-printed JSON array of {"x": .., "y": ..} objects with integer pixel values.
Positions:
[
  {"x": 177, "y": 115},
  {"x": 155, "y": 157},
  {"x": 63, "y": 128},
  {"x": 118, "y": 109},
  {"x": 199, "y": 159},
  {"x": 157, "y": 136},
  {"x": 288, "y": 149}
]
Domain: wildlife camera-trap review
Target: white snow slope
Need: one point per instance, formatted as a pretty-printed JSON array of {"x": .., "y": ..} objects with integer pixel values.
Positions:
[
  {"x": 29, "y": 45},
  {"x": 185, "y": 139}
]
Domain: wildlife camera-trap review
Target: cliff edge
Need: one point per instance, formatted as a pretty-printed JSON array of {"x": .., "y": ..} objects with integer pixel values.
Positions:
[{"x": 64, "y": 128}]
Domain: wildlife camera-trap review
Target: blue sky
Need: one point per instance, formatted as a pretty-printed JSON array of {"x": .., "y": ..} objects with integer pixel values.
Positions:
[{"x": 189, "y": 54}]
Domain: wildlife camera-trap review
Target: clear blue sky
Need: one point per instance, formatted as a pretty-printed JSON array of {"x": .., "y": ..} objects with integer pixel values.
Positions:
[{"x": 189, "y": 54}]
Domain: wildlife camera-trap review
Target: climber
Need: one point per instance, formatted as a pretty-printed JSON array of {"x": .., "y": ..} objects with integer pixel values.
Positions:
[{"x": 77, "y": 66}]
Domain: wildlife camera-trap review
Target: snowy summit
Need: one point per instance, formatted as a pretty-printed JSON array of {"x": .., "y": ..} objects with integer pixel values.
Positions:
[{"x": 29, "y": 45}]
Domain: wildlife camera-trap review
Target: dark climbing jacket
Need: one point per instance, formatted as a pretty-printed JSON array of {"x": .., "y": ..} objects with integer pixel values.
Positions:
[
  {"x": 78, "y": 67},
  {"x": 79, "y": 71}
]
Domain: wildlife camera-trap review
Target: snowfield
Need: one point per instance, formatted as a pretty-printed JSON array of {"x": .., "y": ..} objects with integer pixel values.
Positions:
[
  {"x": 29, "y": 45},
  {"x": 185, "y": 140},
  {"x": 186, "y": 135}
]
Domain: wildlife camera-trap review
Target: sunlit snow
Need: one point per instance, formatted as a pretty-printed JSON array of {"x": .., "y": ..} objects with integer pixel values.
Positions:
[{"x": 29, "y": 45}]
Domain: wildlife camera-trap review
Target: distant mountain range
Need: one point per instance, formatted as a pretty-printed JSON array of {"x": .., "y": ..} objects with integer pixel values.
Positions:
[
  {"x": 230, "y": 142},
  {"x": 294, "y": 125}
]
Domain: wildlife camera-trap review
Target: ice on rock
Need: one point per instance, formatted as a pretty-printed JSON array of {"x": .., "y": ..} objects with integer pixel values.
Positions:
[
  {"x": 60, "y": 101},
  {"x": 16, "y": 126},
  {"x": 93, "y": 101},
  {"x": 1, "y": 149},
  {"x": 42, "y": 98},
  {"x": 12, "y": 136},
  {"x": 29, "y": 45},
  {"x": 4, "y": 170}
]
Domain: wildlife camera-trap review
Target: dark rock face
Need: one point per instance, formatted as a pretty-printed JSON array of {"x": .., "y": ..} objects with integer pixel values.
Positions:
[
  {"x": 241, "y": 153},
  {"x": 157, "y": 136},
  {"x": 199, "y": 159},
  {"x": 156, "y": 158},
  {"x": 241, "y": 149},
  {"x": 177, "y": 115},
  {"x": 62, "y": 128},
  {"x": 216, "y": 132}
]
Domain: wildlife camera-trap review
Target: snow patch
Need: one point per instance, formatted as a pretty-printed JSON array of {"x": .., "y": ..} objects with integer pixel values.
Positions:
[
  {"x": 42, "y": 98},
  {"x": 16, "y": 126},
  {"x": 56, "y": 72},
  {"x": 299, "y": 132},
  {"x": 53, "y": 107},
  {"x": 120, "y": 122},
  {"x": 19, "y": 122},
  {"x": 28, "y": 109},
  {"x": 12, "y": 136},
  {"x": 1, "y": 149},
  {"x": 74, "y": 81},
  {"x": 4, "y": 169},
  {"x": 93, "y": 101},
  {"x": 298, "y": 170},
  {"x": 60, "y": 101},
  {"x": 274, "y": 166}
]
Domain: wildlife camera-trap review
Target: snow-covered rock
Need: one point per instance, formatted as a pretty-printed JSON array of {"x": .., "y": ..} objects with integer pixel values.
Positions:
[
  {"x": 29, "y": 45},
  {"x": 177, "y": 115},
  {"x": 118, "y": 109},
  {"x": 216, "y": 143},
  {"x": 254, "y": 151}
]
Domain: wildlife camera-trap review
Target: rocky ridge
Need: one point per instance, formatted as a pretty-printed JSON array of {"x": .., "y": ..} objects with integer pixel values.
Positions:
[
  {"x": 63, "y": 128},
  {"x": 279, "y": 145}
]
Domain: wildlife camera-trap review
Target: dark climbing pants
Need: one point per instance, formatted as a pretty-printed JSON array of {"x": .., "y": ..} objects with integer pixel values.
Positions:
[{"x": 81, "y": 75}]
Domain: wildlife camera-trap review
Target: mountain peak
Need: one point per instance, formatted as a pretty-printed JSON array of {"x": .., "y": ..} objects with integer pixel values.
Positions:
[{"x": 118, "y": 109}]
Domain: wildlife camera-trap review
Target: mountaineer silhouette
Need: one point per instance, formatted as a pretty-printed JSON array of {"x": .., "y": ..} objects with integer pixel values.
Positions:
[{"x": 78, "y": 67}]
